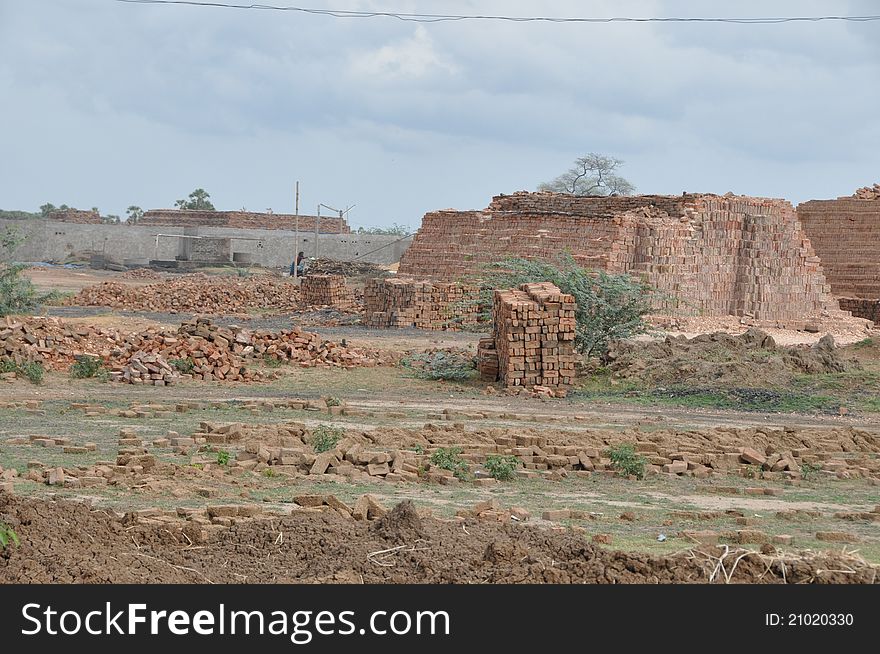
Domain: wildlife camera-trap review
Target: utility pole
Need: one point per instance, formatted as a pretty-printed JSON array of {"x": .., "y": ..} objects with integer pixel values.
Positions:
[
  {"x": 296, "y": 233},
  {"x": 317, "y": 220}
]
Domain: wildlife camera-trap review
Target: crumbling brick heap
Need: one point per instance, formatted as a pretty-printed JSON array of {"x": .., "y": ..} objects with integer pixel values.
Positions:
[
  {"x": 707, "y": 254},
  {"x": 846, "y": 234},
  {"x": 534, "y": 330},
  {"x": 194, "y": 294},
  {"x": 407, "y": 302},
  {"x": 326, "y": 291},
  {"x": 149, "y": 369},
  {"x": 243, "y": 220},
  {"x": 78, "y": 216},
  {"x": 215, "y": 352}
]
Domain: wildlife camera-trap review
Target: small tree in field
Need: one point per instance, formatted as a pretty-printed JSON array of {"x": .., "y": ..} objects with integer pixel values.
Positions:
[
  {"x": 610, "y": 307},
  {"x": 198, "y": 199},
  {"x": 594, "y": 174}
]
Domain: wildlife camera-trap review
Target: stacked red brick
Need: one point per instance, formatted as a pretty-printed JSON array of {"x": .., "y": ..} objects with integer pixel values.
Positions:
[
  {"x": 243, "y": 220},
  {"x": 78, "y": 216},
  {"x": 325, "y": 290},
  {"x": 846, "y": 234},
  {"x": 406, "y": 302},
  {"x": 534, "y": 337},
  {"x": 709, "y": 254}
]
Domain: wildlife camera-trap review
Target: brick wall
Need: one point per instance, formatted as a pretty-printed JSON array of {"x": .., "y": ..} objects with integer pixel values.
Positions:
[
  {"x": 243, "y": 220},
  {"x": 708, "y": 254}
]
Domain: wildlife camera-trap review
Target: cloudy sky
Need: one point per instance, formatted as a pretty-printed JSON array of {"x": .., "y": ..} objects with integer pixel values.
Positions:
[{"x": 108, "y": 104}]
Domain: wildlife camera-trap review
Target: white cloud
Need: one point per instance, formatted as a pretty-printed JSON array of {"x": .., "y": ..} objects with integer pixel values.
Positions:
[{"x": 413, "y": 57}]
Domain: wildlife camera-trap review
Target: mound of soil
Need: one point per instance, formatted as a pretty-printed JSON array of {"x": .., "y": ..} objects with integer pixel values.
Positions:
[
  {"x": 720, "y": 359},
  {"x": 68, "y": 542}
]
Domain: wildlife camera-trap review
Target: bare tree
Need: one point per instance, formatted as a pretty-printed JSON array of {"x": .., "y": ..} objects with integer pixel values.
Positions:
[{"x": 594, "y": 174}]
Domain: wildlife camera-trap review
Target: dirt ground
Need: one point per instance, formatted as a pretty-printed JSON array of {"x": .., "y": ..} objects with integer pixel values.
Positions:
[{"x": 815, "y": 522}]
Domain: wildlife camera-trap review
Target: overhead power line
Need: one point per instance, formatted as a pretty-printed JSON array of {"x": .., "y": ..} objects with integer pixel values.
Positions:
[{"x": 439, "y": 18}]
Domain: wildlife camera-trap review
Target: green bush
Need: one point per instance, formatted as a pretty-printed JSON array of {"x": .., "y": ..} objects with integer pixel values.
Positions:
[
  {"x": 610, "y": 307},
  {"x": 625, "y": 460},
  {"x": 447, "y": 365},
  {"x": 183, "y": 366},
  {"x": 86, "y": 366},
  {"x": 502, "y": 467},
  {"x": 325, "y": 437},
  {"x": 7, "y": 535},
  {"x": 810, "y": 469},
  {"x": 271, "y": 361},
  {"x": 33, "y": 371},
  {"x": 223, "y": 458},
  {"x": 449, "y": 458},
  {"x": 8, "y": 365}
]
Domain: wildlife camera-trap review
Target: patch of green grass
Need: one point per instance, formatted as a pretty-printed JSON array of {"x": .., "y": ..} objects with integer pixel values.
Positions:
[
  {"x": 86, "y": 367},
  {"x": 449, "y": 458},
  {"x": 183, "y": 366},
  {"x": 7, "y": 535},
  {"x": 502, "y": 467},
  {"x": 625, "y": 460},
  {"x": 223, "y": 458}
]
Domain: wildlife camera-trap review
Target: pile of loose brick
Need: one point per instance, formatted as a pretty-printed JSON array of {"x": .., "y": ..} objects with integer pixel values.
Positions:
[
  {"x": 408, "y": 302},
  {"x": 194, "y": 294},
  {"x": 326, "y": 291},
  {"x": 243, "y": 220},
  {"x": 216, "y": 352},
  {"x": 868, "y": 193},
  {"x": 846, "y": 234},
  {"x": 708, "y": 254},
  {"x": 533, "y": 338},
  {"x": 141, "y": 273},
  {"x": 149, "y": 369}
]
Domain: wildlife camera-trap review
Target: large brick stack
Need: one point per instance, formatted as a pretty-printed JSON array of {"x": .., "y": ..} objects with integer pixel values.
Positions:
[
  {"x": 243, "y": 220},
  {"x": 326, "y": 290},
  {"x": 534, "y": 329},
  {"x": 846, "y": 234},
  {"x": 407, "y": 302},
  {"x": 77, "y": 216},
  {"x": 707, "y": 254}
]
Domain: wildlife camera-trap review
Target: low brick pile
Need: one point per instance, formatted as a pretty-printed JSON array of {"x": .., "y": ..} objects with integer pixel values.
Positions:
[
  {"x": 194, "y": 294},
  {"x": 868, "y": 192},
  {"x": 326, "y": 291},
  {"x": 867, "y": 309},
  {"x": 407, "y": 302},
  {"x": 534, "y": 330},
  {"x": 217, "y": 353},
  {"x": 149, "y": 369},
  {"x": 141, "y": 273}
]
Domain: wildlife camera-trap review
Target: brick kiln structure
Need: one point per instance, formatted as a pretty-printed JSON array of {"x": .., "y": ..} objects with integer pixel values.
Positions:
[
  {"x": 243, "y": 220},
  {"x": 326, "y": 290},
  {"x": 533, "y": 338},
  {"x": 846, "y": 234},
  {"x": 707, "y": 254},
  {"x": 407, "y": 302}
]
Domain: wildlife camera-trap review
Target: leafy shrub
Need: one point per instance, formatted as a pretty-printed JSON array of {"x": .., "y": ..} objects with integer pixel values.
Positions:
[
  {"x": 502, "y": 467},
  {"x": 7, "y": 535},
  {"x": 183, "y": 366},
  {"x": 810, "y": 469},
  {"x": 449, "y": 458},
  {"x": 223, "y": 458},
  {"x": 448, "y": 365},
  {"x": 269, "y": 473},
  {"x": 85, "y": 366},
  {"x": 325, "y": 437},
  {"x": 33, "y": 371},
  {"x": 610, "y": 307},
  {"x": 625, "y": 460}
]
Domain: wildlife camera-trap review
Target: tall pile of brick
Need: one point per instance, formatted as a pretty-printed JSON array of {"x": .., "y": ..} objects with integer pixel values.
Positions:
[
  {"x": 77, "y": 216},
  {"x": 534, "y": 330},
  {"x": 326, "y": 290},
  {"x": 707, "y": 254},
  {"x": 846, "y": 234},
  {"x": 243, "y": 220},
  {"x": 407, "y": 302}
]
